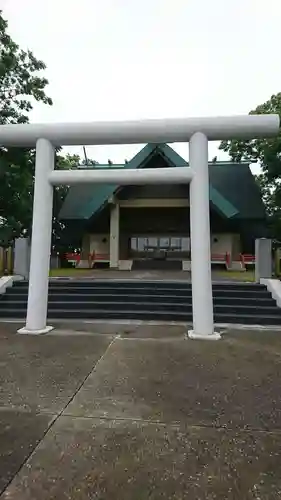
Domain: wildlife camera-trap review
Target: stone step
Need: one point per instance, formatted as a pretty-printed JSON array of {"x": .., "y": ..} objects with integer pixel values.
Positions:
[
  {"x": 73, "y": 298},
  {"x": 171, "y": 301},
  {"x": 185, "y": 294},
  {"x": 140, "y": 284},
  {"x": 148, "y": 306},
  {"x": 144, "y": 315}
]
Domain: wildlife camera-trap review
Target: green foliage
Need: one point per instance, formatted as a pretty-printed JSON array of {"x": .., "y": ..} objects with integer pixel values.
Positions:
[
  {"x": 16, "y": 189},
  {"x": 67, "y": 162},
  {"x": 267, "y": 153},
  {"x": 20, "y": 79},
  {"x": 88, "y": 162},
  {"x": 21, "y": 84}
]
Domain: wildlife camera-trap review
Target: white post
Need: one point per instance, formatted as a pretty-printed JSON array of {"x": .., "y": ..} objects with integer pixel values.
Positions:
[
  {"x": 263, "y": 260},
  {"x": 114, "y": 237},
  {"x": 41, "y": 240},
  {"x": 22, "y": 260},
  {"x": 202, "y": 297}
]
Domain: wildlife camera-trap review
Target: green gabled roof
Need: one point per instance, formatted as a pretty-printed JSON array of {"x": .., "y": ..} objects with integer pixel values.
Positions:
[
  {"x": 216, "y": 197},
  {"x": 82, "y": 201},
  {"x": 233, "y": 190},
  {"x": 239, "y": 187}
]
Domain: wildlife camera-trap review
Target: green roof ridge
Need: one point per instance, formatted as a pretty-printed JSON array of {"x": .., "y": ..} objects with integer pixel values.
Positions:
[{"x": 139, "y": 161}]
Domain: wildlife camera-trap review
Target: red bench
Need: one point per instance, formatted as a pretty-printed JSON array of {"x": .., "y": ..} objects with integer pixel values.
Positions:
[
  {"x": 100, "y": 257},
  {"x": 76, "y": 258},
  {"x": 247, "y": 259},
  {"x": 221, "y": 258},
  {"x": 73, "y": 257}
]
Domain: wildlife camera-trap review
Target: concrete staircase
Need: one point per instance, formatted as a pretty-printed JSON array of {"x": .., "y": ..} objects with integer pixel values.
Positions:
[{"x": 144, "y": 300}]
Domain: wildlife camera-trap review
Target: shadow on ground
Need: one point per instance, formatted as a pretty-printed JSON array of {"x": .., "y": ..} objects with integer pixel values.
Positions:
[{"x": 136, "y": 412}]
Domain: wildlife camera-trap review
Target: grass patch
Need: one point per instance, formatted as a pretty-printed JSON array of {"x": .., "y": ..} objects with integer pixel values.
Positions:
[
  {"x": 238, "y": 275},
  {"x": 231, "y": 275}
]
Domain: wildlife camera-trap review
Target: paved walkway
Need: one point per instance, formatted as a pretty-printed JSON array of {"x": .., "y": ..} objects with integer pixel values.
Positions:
[{"x": 134, "y": 412}]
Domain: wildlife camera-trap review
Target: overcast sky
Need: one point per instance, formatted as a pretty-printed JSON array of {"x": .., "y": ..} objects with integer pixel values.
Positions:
[{"x": 127, "y": 59}]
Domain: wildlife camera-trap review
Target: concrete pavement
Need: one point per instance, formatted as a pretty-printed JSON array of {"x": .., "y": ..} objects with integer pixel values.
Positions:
[{"x": 137, "y": 412}]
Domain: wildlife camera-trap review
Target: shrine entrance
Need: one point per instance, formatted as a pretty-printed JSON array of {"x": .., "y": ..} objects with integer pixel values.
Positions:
[{"x": 196, "y": 131}]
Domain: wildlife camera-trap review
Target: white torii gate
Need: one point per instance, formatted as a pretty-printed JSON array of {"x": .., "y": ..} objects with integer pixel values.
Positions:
[{"x": 195, "y": 130}]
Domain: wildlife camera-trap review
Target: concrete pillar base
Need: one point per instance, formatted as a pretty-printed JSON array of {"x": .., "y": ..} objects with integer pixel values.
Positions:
[
  {"x": 26, "y": 331},
  {"x": 198, "y": 336}
]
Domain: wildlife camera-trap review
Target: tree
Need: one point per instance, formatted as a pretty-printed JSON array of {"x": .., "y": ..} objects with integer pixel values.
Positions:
[
  {"x": 67, "y": 162},
  {"x": 20, "y": 80},
  {"x": 21, "y": 84},
  {"x": 19, "y": 202},
  {"x": 59, "y": 237},
  {"x": 267, "y": 153}
]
